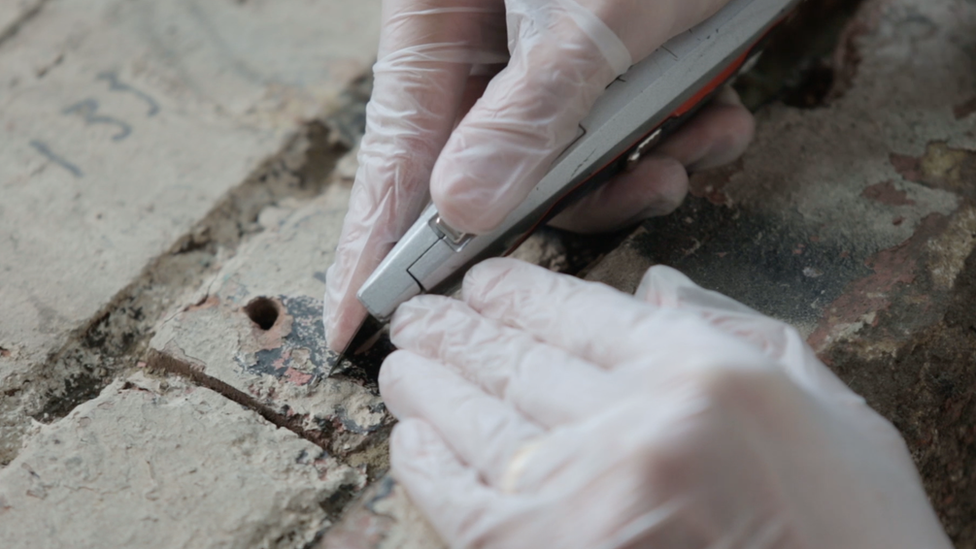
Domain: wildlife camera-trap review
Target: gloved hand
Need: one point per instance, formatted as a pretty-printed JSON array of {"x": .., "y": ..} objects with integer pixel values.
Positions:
[
  {"x": 438, "y": 57},
  {"x": 544, "y": 411}
]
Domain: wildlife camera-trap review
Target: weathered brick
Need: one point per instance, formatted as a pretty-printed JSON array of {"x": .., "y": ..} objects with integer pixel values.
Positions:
[
  {"x": 159, "y": 463},
  {"x": 257, "y": 326},
  {"x": 125, "y": 125}
]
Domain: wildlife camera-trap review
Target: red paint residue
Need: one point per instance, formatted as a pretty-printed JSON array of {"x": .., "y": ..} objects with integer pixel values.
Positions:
[
  {"x": 908, "y": 167},
  {"x": 296, "y": 377},
  {"x": 279, "y": 363},
  {"x": 886, "y": 193},
  {"x": 893, "y": 268}
]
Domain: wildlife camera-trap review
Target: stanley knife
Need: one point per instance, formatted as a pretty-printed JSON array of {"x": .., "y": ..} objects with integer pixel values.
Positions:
[{"x": 636, "y": 112}]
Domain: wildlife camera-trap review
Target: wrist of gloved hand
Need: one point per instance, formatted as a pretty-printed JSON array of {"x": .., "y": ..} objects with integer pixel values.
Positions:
[{"x": 546, "y": 411}]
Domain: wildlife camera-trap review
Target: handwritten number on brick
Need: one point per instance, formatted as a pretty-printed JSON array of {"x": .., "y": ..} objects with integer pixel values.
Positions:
[
  {"x": 115, "y": 85},
  {"x": 88, "y": 109},
  {"x": 46, "y": 151}
]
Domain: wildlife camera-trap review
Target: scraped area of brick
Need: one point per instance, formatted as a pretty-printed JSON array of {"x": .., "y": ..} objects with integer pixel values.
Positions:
[
  {"x": 257, "y": 326},
  {"x": 125, "y": 127},
  {"x": 160, "y": 463},
  {"x": 855, "y": 220}
]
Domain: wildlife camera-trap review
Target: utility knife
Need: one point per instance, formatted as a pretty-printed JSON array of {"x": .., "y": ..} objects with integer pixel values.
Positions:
[{"x": 635, "y": 113}]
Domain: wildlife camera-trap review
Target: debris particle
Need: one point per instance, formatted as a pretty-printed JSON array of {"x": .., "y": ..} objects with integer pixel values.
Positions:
[{"x": 812, "y": 272}]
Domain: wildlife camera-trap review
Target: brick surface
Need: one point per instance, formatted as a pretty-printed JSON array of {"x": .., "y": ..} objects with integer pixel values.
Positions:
[
  {"x": 123, "y": 124},
  {"x": 159, "y": 463},
  {"x": 257, "y": 326}
]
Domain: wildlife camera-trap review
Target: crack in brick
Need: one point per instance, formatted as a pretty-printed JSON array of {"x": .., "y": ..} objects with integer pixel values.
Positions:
[{"x": 160, "y": 361}]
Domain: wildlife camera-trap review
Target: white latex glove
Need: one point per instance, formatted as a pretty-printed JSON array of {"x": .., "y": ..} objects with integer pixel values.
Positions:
[
  {"x": 442, "y": 124},
  {"x": 544, "y": 411}
]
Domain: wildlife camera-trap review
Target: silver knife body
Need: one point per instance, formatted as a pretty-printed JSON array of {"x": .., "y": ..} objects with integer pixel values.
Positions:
[{"x": 627, "y": 121}]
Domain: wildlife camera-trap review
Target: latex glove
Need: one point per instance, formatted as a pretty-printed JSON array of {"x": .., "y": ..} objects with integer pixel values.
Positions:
[
  {"x": 424, "y": 138},
  {"x": 544, "y": 411}
]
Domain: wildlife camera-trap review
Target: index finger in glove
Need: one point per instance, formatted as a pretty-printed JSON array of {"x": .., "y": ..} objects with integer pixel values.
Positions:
[
  {"x": 483, "y": 430},
  {"x": 563, "y": 57},
  {"x": 506, "y": 363},
  {"x": 426, "y": 57},
  {"x": 602, "y": 325},
  {"x": 564, "y": 54}
]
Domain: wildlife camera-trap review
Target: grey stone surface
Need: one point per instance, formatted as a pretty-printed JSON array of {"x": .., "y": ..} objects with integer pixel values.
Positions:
[{"x": 160, "y": 463}]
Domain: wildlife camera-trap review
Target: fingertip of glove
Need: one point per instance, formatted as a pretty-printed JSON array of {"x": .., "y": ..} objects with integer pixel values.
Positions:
[
  {"x": 664, "y": 274},
  {"x": 412, "y": 436},
  {"x": 426, "y": 465},
  {"x": 395, "y": 367},
  {"x": 340, "y": 326},
  {"x": 660, "y": 285}
]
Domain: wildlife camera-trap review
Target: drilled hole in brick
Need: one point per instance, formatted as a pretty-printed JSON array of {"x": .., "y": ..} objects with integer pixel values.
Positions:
[{"x": 263, "y": 311}]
